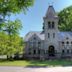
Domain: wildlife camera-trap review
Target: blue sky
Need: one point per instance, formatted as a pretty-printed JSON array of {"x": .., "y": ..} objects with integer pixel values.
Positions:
[{"x": 33, "y": 20}]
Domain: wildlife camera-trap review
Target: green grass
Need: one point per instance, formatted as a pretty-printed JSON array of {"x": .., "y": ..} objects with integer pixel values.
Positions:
[{"x": 36, "y": 63}]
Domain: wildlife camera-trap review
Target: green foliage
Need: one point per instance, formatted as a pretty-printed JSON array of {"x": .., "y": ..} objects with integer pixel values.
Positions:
[
  {"x": 14, "y": 6},
  {"x": 65, "y": 19},
  {"x": 10, "y": 41},
  {"x": 12, "y": 27},
  {"x": 10, "y": 45}
]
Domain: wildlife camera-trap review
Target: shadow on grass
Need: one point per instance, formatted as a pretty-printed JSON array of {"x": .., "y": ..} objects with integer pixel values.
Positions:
[{"x": 48, "y": 63}]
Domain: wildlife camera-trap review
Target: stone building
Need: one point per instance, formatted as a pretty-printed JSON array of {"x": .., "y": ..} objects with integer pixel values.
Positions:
[{"x": 49, "y": 43}]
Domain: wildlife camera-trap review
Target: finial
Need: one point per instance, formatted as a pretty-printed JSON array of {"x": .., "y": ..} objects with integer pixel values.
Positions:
[{"x": 51, "y": 2}]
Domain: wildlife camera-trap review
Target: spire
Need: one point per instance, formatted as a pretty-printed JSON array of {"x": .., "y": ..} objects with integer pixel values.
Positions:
[{"x": 51, "y": 12}]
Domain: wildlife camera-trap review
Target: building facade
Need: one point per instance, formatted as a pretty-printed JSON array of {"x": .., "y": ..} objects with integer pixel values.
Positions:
[{"x": 49, "y": 43}]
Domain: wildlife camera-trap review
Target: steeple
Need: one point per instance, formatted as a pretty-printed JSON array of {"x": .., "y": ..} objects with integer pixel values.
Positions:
[{"x": 50, "y": 12}]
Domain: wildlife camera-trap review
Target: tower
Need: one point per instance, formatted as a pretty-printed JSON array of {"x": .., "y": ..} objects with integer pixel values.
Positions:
[{"x": 50, "y": 26}]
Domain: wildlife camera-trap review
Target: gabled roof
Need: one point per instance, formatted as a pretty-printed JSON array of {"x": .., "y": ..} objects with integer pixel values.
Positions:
[{"x": 30, "y": 34}]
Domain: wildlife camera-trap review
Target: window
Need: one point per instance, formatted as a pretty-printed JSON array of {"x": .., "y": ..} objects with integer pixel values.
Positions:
[
  {"x": 67, "y": 42},
  {"x": 48, "y": 35},
  {"x": 49, "y": 25},
  {"x": 53, "y": 25},
  {"x": 63, "y": 51},
  {"x": 71, "y": 50},
  {"x": 68, "y": 51},
  {"x": 53, "y": 35},
  {"x": 34, "y": 38},
  {"x": 34, "y": 51},
  {"x": 38, "y": 51},
  {"x": 39, "y": 43},
  {"x": 67, "y": 38},
  {"x": 71, "y": 42},
  {"x": 62, "y": 43},
  {"x": 29, "y": 51},
  {"x": 34, "y": 44}
]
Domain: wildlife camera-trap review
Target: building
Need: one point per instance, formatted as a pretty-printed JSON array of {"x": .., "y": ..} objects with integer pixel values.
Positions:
[{"x": 49, "y": 43}]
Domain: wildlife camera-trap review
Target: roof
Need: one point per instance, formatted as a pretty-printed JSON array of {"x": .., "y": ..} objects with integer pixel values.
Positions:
[
  {"x": 30, "y": 34},
  {"x": 51, "y": 12},
  {"x": 63, "y": 35}
]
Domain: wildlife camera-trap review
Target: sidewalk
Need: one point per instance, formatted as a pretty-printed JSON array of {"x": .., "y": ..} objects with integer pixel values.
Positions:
[{"x": 23, "y": 69}]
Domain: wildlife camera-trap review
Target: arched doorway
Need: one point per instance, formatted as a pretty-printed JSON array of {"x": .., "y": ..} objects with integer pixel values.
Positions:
[{"x": 51, "y": 51}]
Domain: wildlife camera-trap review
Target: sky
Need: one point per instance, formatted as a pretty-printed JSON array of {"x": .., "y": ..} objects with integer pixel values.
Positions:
[{"x": 33, "y": 19}]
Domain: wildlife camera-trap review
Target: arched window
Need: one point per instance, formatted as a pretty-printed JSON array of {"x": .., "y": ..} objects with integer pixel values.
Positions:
[
  {"x": 53, "y": 25},
  {"x": 49, "y": 25}
]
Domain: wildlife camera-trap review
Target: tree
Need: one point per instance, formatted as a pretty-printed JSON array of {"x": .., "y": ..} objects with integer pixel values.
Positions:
[
  {"x": 12, "y": 27},
  {"x": 10, "y": 41},
  {"x": 14, "y": 6},
  {"x": 12, "y": 47},
  {"x": 8, "y": 7},
  {"x": 65, "y": 19},
  {"x": 15, "y": 46}
]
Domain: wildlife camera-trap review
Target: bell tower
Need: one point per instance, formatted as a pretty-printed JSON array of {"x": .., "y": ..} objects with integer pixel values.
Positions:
[{"x": 50, "y": 27}]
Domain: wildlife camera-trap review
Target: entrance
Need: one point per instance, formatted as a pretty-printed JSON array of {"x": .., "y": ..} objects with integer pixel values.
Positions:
[{"x": 51, "y": 51}]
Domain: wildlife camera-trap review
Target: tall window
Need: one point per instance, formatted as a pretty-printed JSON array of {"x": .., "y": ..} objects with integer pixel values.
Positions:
[
  {"x": 38, "y": 51},
  {"x": 49, "y": 25},
  {"x": 53, "y": 35},
  {"x": 34, "y": 51},
  {"x": 63, "y": 51},
  {"x": 29, "y": 51},
  {"x": 48, "y": 35},
  {"x": 68, "y": 51},
  {"x": 53, "y": 25},
  {"x": 39, "y": 44},
  {"x": 71, "y": 42}
]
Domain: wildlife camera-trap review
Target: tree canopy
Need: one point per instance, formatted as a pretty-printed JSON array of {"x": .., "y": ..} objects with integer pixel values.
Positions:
[
  {"x": 14, "y": 6},
  {"x": 65, "y": 19}
]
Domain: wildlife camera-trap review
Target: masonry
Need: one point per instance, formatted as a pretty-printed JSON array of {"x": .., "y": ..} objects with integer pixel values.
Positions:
[{"x": 49, "y": 43}]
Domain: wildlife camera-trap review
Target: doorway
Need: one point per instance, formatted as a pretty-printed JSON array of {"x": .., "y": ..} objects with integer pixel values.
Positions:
[{"x": 51, "y": 51}]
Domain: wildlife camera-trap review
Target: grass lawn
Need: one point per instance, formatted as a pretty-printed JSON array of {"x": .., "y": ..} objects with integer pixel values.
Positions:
[{"x": 36, "y": 63}]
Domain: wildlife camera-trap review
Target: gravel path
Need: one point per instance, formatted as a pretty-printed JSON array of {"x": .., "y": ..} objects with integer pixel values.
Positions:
[{"x": 23, "y": 69}]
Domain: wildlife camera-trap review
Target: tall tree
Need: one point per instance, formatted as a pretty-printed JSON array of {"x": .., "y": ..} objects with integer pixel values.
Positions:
[{"x": 65, "y": 19}]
